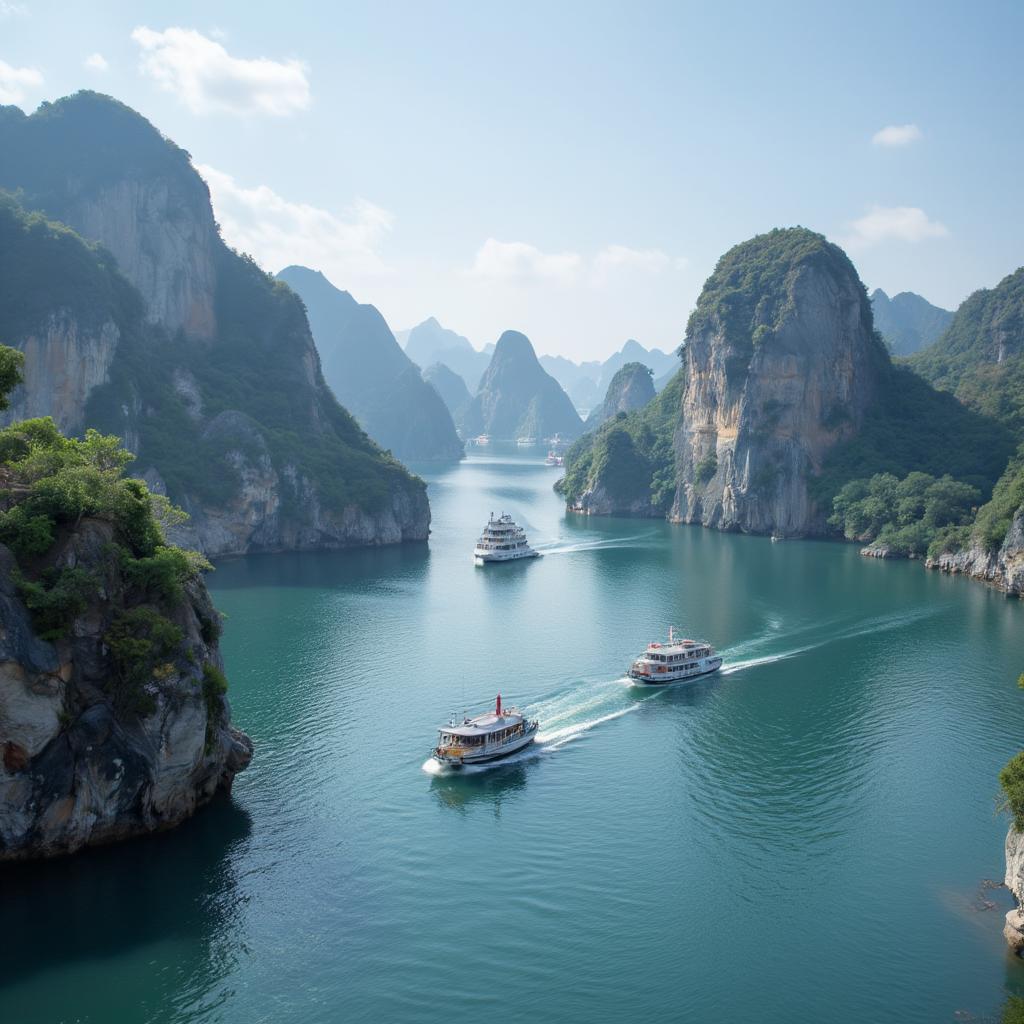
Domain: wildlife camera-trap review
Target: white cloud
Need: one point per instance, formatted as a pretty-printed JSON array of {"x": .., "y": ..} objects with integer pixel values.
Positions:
[
  {"x": 893, "y": 223},
  {"x": 897, "y": 135},
  {"x": 614, "y": 258},
  {"x": 209, "y": 80},
  {"x": 278, "y": 232},
  {"x": 522, "y": 263},
  {"x": 16, "y": 83},
  {"x": 95, "y": 62},
  {"x": 9, "y": 10}
]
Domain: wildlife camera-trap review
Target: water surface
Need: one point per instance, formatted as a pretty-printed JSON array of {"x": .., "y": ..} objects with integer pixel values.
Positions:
[{"x": 802, "y": 838}]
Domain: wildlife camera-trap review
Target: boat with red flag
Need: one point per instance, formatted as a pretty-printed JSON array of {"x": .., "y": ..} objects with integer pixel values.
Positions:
[{"x": 488, "y": 737}]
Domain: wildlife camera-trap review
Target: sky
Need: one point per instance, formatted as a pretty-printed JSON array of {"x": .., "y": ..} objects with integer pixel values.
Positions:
[{"x": 570, "y": 170}]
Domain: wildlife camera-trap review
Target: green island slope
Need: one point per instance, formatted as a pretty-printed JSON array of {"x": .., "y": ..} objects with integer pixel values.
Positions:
[
  {"x": 771, "y": 300},
  {"x": 115, "y": 718},
  {"x": 202, "y": 361}
]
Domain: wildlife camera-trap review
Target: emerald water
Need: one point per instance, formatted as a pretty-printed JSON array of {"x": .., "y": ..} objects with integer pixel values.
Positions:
[{"x": 801, "y": 838}]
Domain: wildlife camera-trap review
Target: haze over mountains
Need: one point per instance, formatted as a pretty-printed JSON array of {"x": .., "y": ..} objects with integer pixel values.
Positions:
[
  {"x": 370, "y": 374},
  {"x": 908, "y": 322},
  {"x": 517, "y": 398},
  {"x": 163, "y": 335}
]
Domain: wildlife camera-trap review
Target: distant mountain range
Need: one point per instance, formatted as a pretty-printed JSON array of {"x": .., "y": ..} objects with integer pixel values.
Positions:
[
  {"x": 370, "y": 374},
  {"x": 587, "y": 383},
  {"x": 907, "y": 322},
  {"x": 517, "y": 398},
  {"x": 428, "y": 343}
]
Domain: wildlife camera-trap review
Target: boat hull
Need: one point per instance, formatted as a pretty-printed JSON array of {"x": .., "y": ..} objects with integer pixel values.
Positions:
[
  {"x": 654, "y": 681},
  {"x": 493, "y": 556},
  {"x": 489, "y": 756}
]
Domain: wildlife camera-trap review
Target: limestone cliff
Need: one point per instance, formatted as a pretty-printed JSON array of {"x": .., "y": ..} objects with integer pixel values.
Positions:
[
  {"x": 1003, "y": 566},
  {"x": 1014, "y": 879},
  {"x": 146, "y": 205},
  {"x": 76, "y": 769},
  {"x": 631, "y": 388},
  {"x": 203, "y": 363},
  {"x": 781, "y": 362}
]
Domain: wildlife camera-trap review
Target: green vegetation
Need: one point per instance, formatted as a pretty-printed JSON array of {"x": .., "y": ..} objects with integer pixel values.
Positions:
[
  {"x": 45, "y": 267},
  {"x": 994, "y": 518},
  {"x": 1011, "y": 779},
  {"x": 914, "y": 516},
  {"x": 143, "y": 644},
  {"x": 50, "y": 484},
  {"x": 11, "y": 364},
  {"x": 630, "y": 456},
  {"x": 706, "y": 468},
  {"x": 215, "y": 686},
  {"x": 909, "y": 428},
  {"x": 751, "y": 291},
  {"x": 262, "y": 367},
  {"x": 56, "y": 598},
  {"x": 1013, "y": 1011},
  {"x": 980, "y": 358},
  {"x": 257, "y": 370}
]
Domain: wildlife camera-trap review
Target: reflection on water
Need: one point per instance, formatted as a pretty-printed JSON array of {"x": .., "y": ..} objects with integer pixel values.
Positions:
[
  {"x": 122, "y": 903},
  {"x": 457, "y": 789},
  {"x": 841, "y": 768}
]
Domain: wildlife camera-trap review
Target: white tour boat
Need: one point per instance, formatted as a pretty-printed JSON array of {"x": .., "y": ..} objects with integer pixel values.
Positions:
[
  {"x": 678, "y": 661},
  {"x": 482, "y": 440},
  {"x": 487, "y": 737},
  {"x": 502, "y": 541},
  {"x": 554, "y": 459}
]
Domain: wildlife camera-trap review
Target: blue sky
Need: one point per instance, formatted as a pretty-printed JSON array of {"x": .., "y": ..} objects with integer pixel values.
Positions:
[{"x": 573, "y": 170}]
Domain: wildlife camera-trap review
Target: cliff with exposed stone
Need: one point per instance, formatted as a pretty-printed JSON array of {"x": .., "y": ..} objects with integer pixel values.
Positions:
[
  {"x": 781, "y": 362},
  {"x": 203, "y": 363},
  {"x": 77, "y": 768},
  {"x": 1014, "y": 880},
  {"x": 1002, "y": 568}
]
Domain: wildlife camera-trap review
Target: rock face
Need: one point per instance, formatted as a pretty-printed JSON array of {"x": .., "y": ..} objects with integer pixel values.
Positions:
[
  {"x": 907, "y": 321},
  {"x": 518, "y": 399},
  {"x": 450, "y": 386},
  {"x": 371, "y": 375},
  {"x": 203, "y": 363},
  {"x": 65, "y": 361},
  {"x": 148, "y": 207},
  {"x": 1003, "y": 568},
  {"x": 631, "y": 388},
  {"x": 76, "y": 769},
  {"x": 1014, "y": 929},
  {"x": 781, "y": 362}
]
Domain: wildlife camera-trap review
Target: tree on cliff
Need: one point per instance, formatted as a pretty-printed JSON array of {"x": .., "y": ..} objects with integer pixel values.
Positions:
[{"x": 11, "y": 363}]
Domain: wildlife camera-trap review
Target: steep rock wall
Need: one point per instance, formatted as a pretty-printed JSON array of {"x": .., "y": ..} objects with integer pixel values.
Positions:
[
  {"x": 781, "y": 363},
  {"x": 76, "y": 769}
]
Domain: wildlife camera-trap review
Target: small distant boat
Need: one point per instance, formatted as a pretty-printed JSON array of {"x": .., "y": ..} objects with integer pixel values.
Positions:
[
  {"x": 486, "y": 737},
  {"x": 502, "y": 541},
  {"x": 554, "y": 459},
  {"x": 678, "y": 661},
  {"x": 526, "y": 442},
  {"x": 776, "y": 538},
  {"x": 482, "y": 439}
]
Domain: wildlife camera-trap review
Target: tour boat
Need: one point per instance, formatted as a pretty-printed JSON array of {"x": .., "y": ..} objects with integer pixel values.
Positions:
[
  {"x": 678, "y": 661},
  {"x": 502, "y": 541},
  {"x": 487, "y": 737},
  {"x": 482, "y": 439},
  {"x": 554, "y": 459}
]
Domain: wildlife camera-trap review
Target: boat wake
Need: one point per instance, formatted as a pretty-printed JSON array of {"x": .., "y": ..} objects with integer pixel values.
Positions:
[
  {"x": 569, "y": 548},
  {"x": 567, "y": 715}
]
